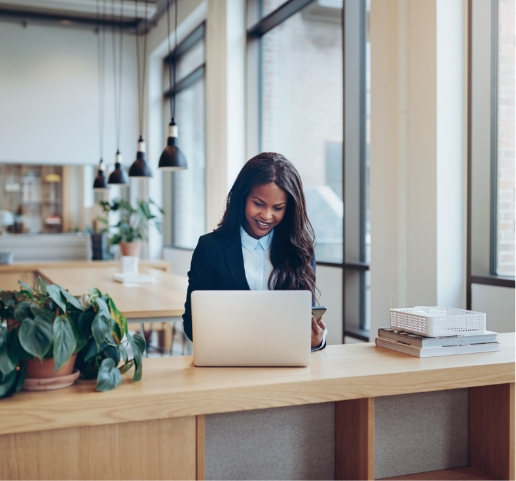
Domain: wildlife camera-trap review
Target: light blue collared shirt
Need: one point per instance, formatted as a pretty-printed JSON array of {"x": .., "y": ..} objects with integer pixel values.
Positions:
[
  {"x": 257, "y": 260},
  {"x": 258, "y": 266}
]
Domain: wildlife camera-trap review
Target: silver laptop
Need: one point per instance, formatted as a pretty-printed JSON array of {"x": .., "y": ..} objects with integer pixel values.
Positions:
[{"x": 251, "y": 328}]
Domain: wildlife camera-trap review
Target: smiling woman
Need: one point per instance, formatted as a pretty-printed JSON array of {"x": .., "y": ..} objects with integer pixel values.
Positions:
[{"x": 264, "y": 240}]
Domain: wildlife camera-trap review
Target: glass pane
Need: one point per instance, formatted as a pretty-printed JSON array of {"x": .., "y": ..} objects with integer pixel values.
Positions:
[
  {"x": 269, "y": 6},
  {"x": 506, "y": 134},
  {"x": 189, "y": 186},
  {"x": 191, "y": 60},
  {"x": 301, "y": 113}
]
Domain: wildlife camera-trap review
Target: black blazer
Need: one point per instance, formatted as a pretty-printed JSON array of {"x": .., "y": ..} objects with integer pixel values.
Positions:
[{"x": 217, "y": 265}]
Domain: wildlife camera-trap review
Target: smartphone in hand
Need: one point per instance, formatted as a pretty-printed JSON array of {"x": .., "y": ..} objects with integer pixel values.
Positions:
[{"x": 318, "y": 311}]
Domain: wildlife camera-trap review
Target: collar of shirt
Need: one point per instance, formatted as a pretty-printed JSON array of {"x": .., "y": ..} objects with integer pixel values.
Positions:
[{"x": 250, "y": 243}]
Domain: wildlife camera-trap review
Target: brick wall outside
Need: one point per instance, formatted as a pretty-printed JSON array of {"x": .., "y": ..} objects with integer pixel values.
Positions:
[{"x": 506, "y": 134}]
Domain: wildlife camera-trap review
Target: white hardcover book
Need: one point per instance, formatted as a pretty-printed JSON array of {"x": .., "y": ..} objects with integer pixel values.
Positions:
[
  {"x": 424, "y": 342},
  {"x": 436, "y": 351}
]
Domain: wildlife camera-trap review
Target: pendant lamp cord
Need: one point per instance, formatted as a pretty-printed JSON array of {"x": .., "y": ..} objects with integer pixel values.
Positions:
[
  {"x": 101, "y": 44},
  {"x": 141, "y": 74},
  {"x": 117, "y": 71},
  {"x": 172, "y": 62}
]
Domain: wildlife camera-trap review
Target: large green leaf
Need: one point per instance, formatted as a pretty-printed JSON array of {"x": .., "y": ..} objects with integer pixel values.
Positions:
[
  {"x": 113, "y": 353},
  {"x": 123, "y": 353},
  {"x": 102, "y": 305},
  {"x": 54, "y": 291},
  {"x": 101, "y": 328},
  {"x": 84, "y": 322},
  {"x": 64, "y": 341},
  {"x": 80, "y": 340},
  {"x": 71, "y": 299},
  {"x": 45, "y": 313},
  {"x": 23, "y": 310},
  {"x": 7, "y": 364},
  {"x": 137, "y": 353},
  {"x": 36, "y": 336},
  {"x": 16, "y": 350},
  {"x": 140, "y": 342},
  {"x": 109, "y": 376}
]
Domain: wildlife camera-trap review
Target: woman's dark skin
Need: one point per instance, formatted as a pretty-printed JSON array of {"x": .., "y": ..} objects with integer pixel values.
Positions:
[{"x": 264, "y": 209}]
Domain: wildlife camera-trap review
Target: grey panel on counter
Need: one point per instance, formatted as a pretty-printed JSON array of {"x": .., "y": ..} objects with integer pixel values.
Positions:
[
  {"x": 295, "y": 442},
  {"x": 420, "y": 432}
]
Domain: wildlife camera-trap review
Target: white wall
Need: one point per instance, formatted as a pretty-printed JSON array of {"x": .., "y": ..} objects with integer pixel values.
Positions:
[
  {"x": 48, "y": 96},
  {"x": 417, "y": 155},
  {"x": 498, "y": 304}
]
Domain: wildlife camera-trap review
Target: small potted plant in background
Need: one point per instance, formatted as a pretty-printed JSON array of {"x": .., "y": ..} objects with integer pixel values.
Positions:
[
  {"x": 133, "y": 225},
  {"x": 45, "y": 333}
]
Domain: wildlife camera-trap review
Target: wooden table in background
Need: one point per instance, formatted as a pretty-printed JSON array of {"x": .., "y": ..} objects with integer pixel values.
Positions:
[
  {"x": 155, "y": 306},
  {"x": 28, "y": 271},
  {"x": 163, "y": 298},
  {"x": 155, "y": 303},
  {"x": 155, "y": 429}
]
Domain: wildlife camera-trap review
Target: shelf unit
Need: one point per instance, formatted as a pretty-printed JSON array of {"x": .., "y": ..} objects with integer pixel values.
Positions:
[{"x": 34, "y": 195}]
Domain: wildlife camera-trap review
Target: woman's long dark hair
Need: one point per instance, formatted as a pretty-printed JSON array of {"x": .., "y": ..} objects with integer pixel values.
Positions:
[{"x": 292, "y": 248}]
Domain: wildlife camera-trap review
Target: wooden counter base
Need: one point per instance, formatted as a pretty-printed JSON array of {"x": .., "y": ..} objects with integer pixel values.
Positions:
[
  {"x": 161, "y": 449},
  {"x": 155, "y": 428}
]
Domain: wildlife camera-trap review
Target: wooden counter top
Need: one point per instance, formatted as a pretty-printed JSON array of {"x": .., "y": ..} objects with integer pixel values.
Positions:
[
  {"x": 173, "y": 387},
  {"x": 36, "y": 266}
]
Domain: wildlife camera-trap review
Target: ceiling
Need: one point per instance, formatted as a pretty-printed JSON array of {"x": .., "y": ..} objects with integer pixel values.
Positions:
[{"x": 82, "y": 13}]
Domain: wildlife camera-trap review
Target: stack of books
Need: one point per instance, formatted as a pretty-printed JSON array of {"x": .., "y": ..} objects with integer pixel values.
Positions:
[{"x": 421, "y": 346}]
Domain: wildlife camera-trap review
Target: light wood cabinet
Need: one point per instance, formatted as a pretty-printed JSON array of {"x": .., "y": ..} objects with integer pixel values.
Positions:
[{"x": 156, "y": 429}]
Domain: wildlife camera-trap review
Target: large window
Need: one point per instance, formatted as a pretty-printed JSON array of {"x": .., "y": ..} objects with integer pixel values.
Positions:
[
  {"x": 301, "y": 113},
  {"x": 312, "y": 95},
  {"x": 491, "y": 134},
  {"x": 186, "y": 189}
]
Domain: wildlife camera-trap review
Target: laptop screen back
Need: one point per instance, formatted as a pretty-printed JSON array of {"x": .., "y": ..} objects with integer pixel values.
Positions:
[{"x": 251, "y": 328}]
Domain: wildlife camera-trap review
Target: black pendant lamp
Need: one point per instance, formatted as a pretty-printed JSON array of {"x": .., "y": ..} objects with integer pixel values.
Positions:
[
  {"x": 100, "y": 180},
  {"x": 118, "y": 176},
  {"x": 172, "y": 158},
  {"x": 140, "y": 168}
]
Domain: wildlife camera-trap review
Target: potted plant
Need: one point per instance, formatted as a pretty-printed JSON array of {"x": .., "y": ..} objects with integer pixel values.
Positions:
[
  {"x": 132, "y": 227},
  {"x": 45, "y": 327}
]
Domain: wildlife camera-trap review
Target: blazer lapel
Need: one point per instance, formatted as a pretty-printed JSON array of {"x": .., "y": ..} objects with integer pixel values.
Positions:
[{"x": 235, "y": 258}]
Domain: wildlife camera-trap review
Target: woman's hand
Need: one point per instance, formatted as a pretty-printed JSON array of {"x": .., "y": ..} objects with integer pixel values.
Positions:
[{"x": 318, "y": 328}]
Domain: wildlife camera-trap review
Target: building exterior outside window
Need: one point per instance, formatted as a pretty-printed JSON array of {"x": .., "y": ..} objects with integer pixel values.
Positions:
[{"x": 506, "y": 135}]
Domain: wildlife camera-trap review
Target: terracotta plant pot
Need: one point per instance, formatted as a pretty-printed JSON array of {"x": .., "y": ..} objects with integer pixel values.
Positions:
[
  {"x": 130, "y": 248},
  {"x": 37, "y": 369}
]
